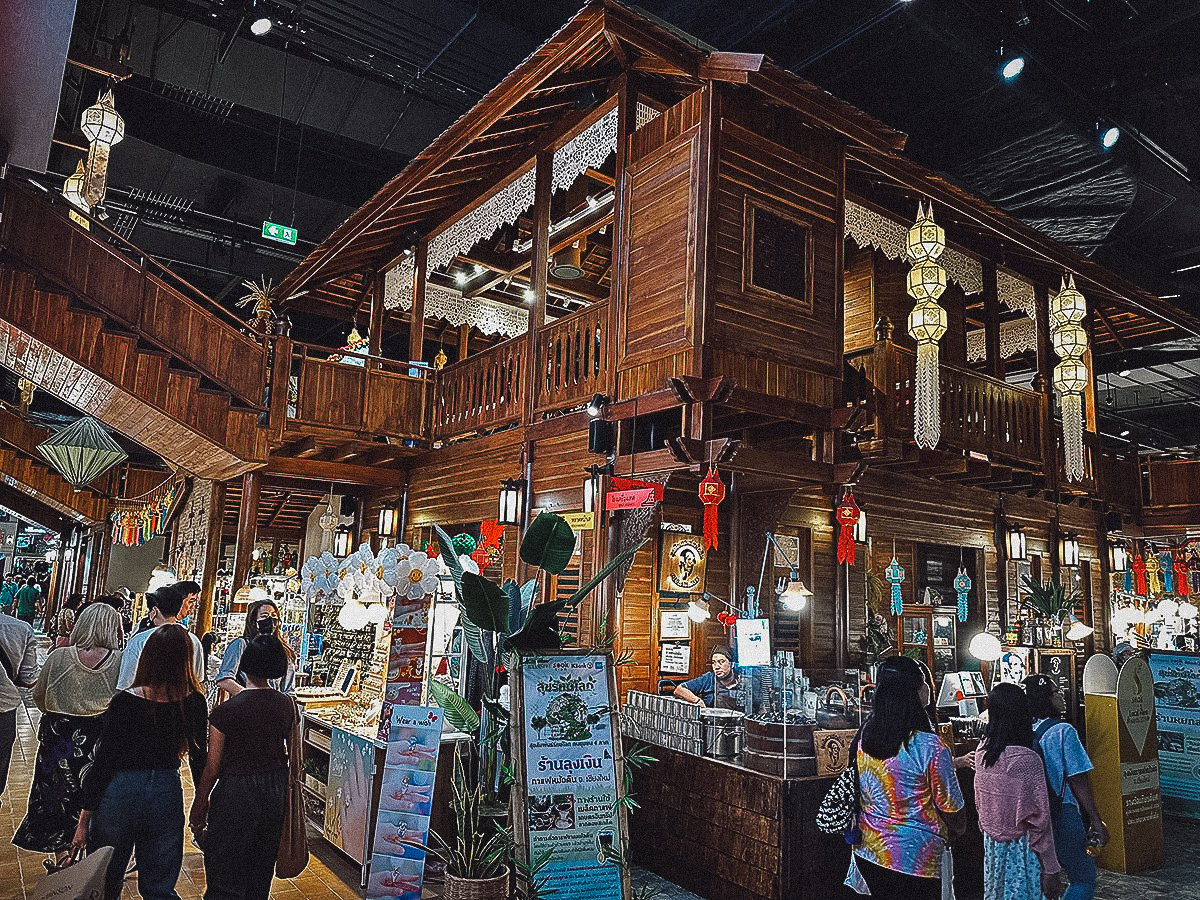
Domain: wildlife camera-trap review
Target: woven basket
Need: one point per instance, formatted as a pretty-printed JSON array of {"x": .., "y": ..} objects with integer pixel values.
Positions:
[{"x": 476, "y": 888}]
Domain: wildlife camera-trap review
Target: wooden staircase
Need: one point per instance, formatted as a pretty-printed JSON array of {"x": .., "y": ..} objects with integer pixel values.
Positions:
[{"x": 158, "y": 362}]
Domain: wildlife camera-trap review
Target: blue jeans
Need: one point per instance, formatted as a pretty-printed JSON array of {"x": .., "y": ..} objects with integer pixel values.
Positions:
[
  {"x": 1070, "y": 843},
  {"x": 142, "y": 809}
]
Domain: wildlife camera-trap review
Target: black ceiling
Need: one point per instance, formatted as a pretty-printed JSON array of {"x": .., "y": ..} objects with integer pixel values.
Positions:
[{"x": 225, "y": 129}]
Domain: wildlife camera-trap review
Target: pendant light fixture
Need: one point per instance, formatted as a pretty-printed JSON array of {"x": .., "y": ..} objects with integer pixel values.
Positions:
[
  {"x": 1068, "y": 309},
  {"x": 1118, "y": 556},
  {"x": 1068, "y": 550},
  {"x": 341, "y": 541},
  {"x": 82, "y": 451},
  {"x": 511, "y": 505},
  {"x": 103, "y": 127},
  {"x": 592, "y": 486},
  {"x": 387, "y": 523},
  {"x": 1016, "y": 542},
  {"x": 927, "y": 322}
]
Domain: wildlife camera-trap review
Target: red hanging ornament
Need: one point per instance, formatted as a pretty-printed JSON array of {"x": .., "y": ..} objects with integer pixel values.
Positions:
[
  {"x": 1138, "y": 567},
  {"x": 712, "y": 492},
  {"x": 1182, "y": 587},
  {"x": 847, "y": 516},
  {"x": 481, "y": 558}
]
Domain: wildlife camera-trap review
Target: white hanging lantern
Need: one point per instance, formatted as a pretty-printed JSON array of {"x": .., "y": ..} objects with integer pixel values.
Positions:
[
  {"x": 1068, "y": 309},
  {"x": 927, "y": 323},
  {"x": 73, "y": 189},
  {"x": 1068, "y": 305},
  {"x": 82, "y": 451},
  {"x": 1070, "y": 341},
  {"x": 101, "y": 123}
]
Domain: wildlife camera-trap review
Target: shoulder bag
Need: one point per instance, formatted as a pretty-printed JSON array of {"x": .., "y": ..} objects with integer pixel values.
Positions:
[
  {"x": 293, "y": 843},
  {"x": 839, "y": 811}
]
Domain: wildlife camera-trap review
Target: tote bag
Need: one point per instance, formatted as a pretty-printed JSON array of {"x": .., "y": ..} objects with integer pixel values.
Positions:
[
  {"x": 82, "y": 880},
  {"x": 293, "y": 843}
]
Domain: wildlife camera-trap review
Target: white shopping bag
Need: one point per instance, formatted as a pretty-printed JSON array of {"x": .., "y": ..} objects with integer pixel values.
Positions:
[
  {"x": 947, "y": 874},
  {"x": 854, "y": 879},
  {"x": 83, "y": 880}
]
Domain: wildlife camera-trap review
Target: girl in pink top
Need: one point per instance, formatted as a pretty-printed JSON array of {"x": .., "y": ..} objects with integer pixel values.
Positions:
[{"x": 1019, "y": 862}]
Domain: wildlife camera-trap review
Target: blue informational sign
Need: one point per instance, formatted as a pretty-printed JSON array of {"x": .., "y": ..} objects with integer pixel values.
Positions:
[
  {"x": 570, "y": 749},
  {"x": 1177, "y": 703},
  {"x": 405, "y": 803}
]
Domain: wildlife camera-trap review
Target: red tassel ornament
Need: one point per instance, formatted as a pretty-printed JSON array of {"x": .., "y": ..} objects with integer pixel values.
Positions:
[
  {"x": 1138, "y": 567},
  {"x": 712, "y": 492},
  {"x": 847, "y": 516}
]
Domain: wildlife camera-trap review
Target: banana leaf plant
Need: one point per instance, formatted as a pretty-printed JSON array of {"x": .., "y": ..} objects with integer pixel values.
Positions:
[
  {"x": 500, "y": 620},
  {"x": 1050, "y": 601}
]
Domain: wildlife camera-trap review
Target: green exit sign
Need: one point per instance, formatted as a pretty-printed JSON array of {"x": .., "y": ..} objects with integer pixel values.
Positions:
[{"x": 280, "y": 233}]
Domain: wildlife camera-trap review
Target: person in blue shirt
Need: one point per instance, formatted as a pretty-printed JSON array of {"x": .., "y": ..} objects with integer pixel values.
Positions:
[
  {"x": 1067, "y": 767},
  {"x": 722, "y": 687}
]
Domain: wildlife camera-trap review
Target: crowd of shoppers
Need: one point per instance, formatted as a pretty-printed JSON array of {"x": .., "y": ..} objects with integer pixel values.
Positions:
[
  {"x": 120, "y": 712},
  {"x": 1036, "y": 809}
]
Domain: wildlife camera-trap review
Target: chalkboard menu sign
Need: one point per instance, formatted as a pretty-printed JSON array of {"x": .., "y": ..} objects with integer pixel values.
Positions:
[
  {"x": 777, "y": 261},
  {"x": 1058, "y": 665}
]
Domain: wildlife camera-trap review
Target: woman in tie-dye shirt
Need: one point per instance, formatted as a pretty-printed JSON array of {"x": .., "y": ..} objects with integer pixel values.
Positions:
[{"x": 907, "y": 786}]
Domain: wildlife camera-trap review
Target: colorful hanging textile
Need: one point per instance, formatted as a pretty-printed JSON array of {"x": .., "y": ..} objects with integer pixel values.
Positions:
[
  {"x": 712, "y": 492},
  {"x": 1154, "y": 584},
  {"x": 962, "y": 587},
  {"x": 894, "y": 573},
  {"x": 847, "y": 516},
  {"x": 137, "y": 521},
  {"x": 1129, "y": 580},
  {"x": 1182, "y": 582},
  {"x": 1167, "y": 563},
  {"x": 1138, "y": 567}
]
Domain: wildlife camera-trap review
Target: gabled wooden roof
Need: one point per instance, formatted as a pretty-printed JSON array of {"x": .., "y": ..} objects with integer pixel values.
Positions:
[{"x": 536, "y": 103}]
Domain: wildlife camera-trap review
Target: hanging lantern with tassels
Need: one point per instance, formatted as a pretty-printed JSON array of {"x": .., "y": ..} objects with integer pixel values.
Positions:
[
  {"x": 847, "y": 516},
  {"x": 1068, "y": 309},
  {"x": 927, "y": 322},
  {"x": 1138, "y": 569},
  {"x": 894, "y": 573},
  {"x": 1182, "y": 585},
  {"x": 962, "y": 588},
  {"x": 712, "y": 492}
]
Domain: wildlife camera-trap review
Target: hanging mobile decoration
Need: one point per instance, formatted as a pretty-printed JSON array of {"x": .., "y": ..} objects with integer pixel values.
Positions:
[
  {"x": 1153, "y": 575},
  {"x": 712, "y": 492},
  {"x": 1138, "y": 568},
  {"x": 927, "y": 322},
  {"x": 1167, "y": 564},
  {"x": 962, "y": 588},
  {"x": 894, "y": 573},
  {"x": 847, "y": 516},
  {"x": 138, "y": 521},
  {"x": 1183, "y": 586},
  {"x": 1068, "y": 309}
]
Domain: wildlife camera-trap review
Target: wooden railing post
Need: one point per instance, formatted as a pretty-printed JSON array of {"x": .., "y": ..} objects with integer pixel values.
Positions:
[
  {"x": 539, "y": 273},
  {"x": 884, "y": 378},
  {"x": 279, "y": 381}
]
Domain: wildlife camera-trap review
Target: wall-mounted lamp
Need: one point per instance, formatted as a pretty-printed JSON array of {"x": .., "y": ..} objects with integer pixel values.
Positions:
[
  {"x": 597, "y": 405},
  {"x": 512, "y": 501},
  {"x": 795, "y": 595},
  {"x": 860, "y": 527},
  {"x": 387, "y": 522},
  {"x": 1118, "y": 556},
  {"x": 1068, "y": 550},
  {"x": 1077, "y": 630},
  {"x": 698, "y": 610},
  {"x": 592, "y": 485},
  {"x": 341, "y": 541},
  {"x": 1016, "y": 542}
]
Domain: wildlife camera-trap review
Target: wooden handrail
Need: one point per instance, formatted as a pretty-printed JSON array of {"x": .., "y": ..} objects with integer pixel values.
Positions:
[
  {"x": 572, "y": 362},
  {"x": 401, "y": 367},
  {"x": 482, "y": 391}
]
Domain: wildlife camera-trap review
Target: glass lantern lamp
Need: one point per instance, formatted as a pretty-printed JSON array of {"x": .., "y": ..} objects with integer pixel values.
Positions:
[
  {"x": 1016, "y": 542},
  {"x": 511, "y": 502}
]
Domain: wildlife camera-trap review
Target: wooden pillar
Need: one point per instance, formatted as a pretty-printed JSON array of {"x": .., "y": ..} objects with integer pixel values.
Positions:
[
  {"x": 416, "y": 329},
  {"x": 247, "y": 526},
  {"x": 82, "y": 548},
  {"x": 539, "y": 273},
  {"x": 375, "y": 328},
  {"x": 100, "y": 583},
  {"x": 841, "y": 605},
  {"x": 464, "y": 342},
  {"x": 991, "y": 322},
  {"x": 212, "y": 560},
  {"x": 626, "y": 125}
]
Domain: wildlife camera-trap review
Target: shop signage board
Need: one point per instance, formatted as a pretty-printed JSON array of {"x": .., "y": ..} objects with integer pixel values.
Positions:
[
  {"x": 348, "y": 793},
  {"x": 1123, "y": 745},
  {"x": 753, "y": 638},
  {"x": 1177, "y": 719},
  {"x": 629, "y": 484},
  {"x": 569, "y": 762},
  {"x": 633, "y": 499},
  {"x": 580, "y": 521},
  {"x": 406, "y": 659},
  {"x": 405, "y": 803},
  {"x": 675, "y": 659}
]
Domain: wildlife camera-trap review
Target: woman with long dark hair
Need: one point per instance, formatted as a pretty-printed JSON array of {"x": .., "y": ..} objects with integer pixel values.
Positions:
[
  {"x": 133, "y": 796},
  {"x": 907, "y": 788},
  {"x": 1014, "y": 808},
  {"x": 262, "y": 618}
]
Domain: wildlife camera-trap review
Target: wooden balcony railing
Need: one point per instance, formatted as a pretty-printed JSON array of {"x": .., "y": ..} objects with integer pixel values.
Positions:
[
  {"x": 104, "y": 270},
  {"x": 572, "y": 362},
  {"x": 483, "y": 391},
  {"x": 359, "y": 394},
  {"x": 979, "y": 413}
]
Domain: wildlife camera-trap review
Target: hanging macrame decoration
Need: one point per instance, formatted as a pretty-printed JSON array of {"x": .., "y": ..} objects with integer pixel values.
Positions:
[
  {"x": 894, "y": 573},
  {"x": 1183, "y": 586},
  {"x": 962, "y": 587},
  {"x": 927, "y": 322},
  {"x": 1068, "y": 309},
  {"x": 1153, "y": 575},
  {"x": 847, "y": 516},
  {"x": 1167, "y": 564},
  {"x": 1138, "y": 568},
  {"x": 712, "y": 492}
]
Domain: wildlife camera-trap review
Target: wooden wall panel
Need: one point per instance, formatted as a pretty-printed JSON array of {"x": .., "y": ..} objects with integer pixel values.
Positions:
[
  {"x": 461, "y": 483},
  {"x": 673, "y": 122},
  {"x": 754, "y": 171},
  {"x": 860, "y": 300},
  {"x": 652, "y": 374}
]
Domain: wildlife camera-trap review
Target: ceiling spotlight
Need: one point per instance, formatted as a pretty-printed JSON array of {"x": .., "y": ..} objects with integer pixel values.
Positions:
[
  {"x": 1109, "y": 136},
  {"x": 259, "y": 27},
  {"x": 1011, "y": 67},
  {"x": 460, "y": 278},
  {"x": 530, "y": 294},
  {"x": 1124, "y": 373},
  {"x": 1125, "y": 433}
]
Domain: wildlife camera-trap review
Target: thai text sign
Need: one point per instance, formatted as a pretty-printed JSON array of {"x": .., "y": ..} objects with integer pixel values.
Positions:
[{"x": 628, "y": 499}]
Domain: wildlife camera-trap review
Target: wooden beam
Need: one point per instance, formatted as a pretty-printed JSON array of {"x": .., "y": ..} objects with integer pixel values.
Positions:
[
  {"x": 319, "y": 470},
  {"x": 247, "y": 526},
  {"x": 539, "y": 261},
  {"x": 378, "y": 312},
  {"x": 305, "y": 446},
  {"x": 731, "y": 67},
  {"x": 32, "y": 508},
  {"x": 416, "y": 328},
  {"x": 287, "y": 495},
  {"x": 991, "y": 321}
]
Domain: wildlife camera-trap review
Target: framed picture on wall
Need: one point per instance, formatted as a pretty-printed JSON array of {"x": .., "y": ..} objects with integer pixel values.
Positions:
[{"x": 681, "y": 560}]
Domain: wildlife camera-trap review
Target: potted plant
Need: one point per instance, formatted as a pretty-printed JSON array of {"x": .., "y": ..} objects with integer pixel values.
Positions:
[
  {"x": 477, "y": 858},
  {"x": 1050, "y": 604}
]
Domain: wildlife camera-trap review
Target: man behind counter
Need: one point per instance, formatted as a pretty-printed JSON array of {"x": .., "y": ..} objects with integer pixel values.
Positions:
[{"x": 723, "y": 687}]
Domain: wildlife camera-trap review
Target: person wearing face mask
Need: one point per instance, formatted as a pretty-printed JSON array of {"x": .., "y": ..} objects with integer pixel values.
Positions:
[
  {"x": 723, "y": 687},
  {"x": 262, "y": 618}
]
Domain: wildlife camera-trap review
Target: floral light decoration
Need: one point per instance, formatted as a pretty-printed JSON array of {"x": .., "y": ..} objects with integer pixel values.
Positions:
[
  {"x": 1182, "y": 583},
  {"x": 847, "y": 516},
  {"x": 1166, "y": 564},
  {"x": 925, "y": 242},
  {"x": 1068, "y": 309},
  {"x": 1154, "y": 585}
]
